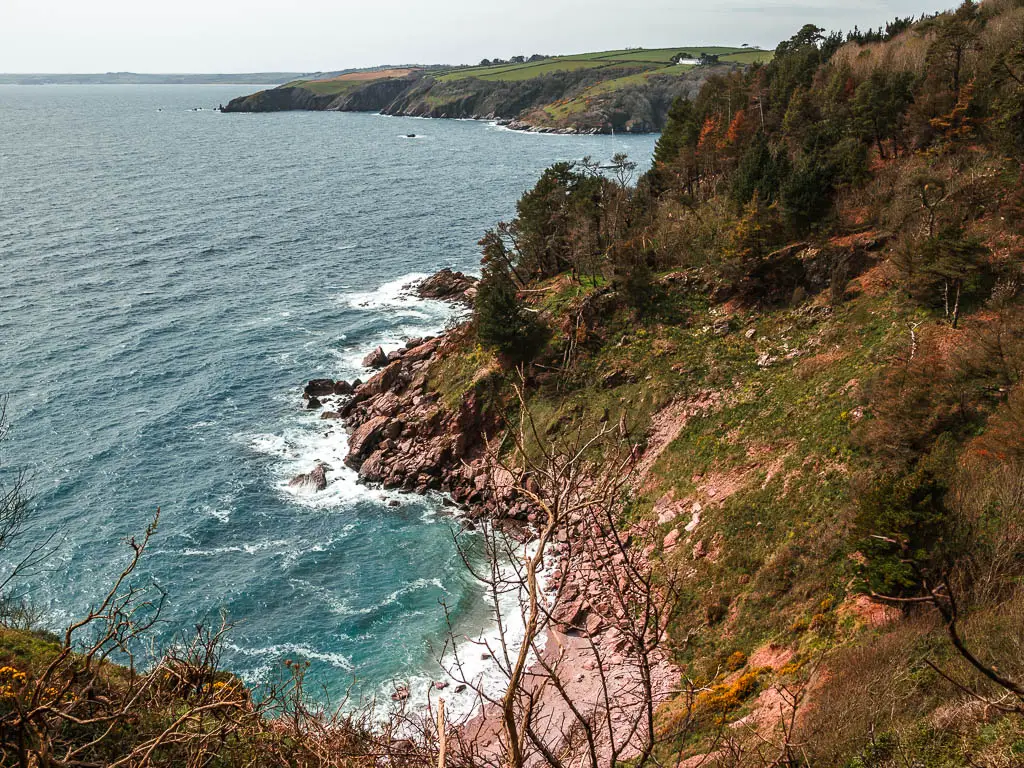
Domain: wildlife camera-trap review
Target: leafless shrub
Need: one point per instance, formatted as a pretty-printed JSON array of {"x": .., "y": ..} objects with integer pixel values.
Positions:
[
  {"x": 15, "y": 525},
  {"x": 584, "y": 682}
]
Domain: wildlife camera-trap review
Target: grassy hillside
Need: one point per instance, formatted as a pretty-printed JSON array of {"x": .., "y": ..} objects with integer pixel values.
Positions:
[{"x": 807, "y": 322}]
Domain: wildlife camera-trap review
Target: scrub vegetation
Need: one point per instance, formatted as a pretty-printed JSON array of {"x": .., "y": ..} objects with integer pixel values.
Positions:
[{"x": 802, "y": 331}]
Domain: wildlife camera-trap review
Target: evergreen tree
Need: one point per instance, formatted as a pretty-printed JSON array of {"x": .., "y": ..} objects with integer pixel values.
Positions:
[
  {"x": 760, "y": 172},
  {"x": 680, "y": 134},
  {"x": 500, "y": 319},
  {"x": 957, "y": 37},
  {"x": 952, "y": 261},
  {"x": 795, "y": 63},
  {"x": 545, "y": 218},
  {"x": 940, "y": 268},
  {"x": 1006, "y": 78},
  {"x": 807, "y": 193},
  {"x": 878, "y": 106}
]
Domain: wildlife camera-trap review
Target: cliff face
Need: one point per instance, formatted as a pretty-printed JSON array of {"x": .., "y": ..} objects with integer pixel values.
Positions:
[
  {"x": 376, "y": 96},
  {"x": 641, "y": 107}
]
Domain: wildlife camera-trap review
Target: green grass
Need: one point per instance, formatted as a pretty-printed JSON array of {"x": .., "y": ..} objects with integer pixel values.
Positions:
[
  {"x": 749, "y": 57},
  {"x": 329, "y": 87},
  {"x": 27, "y": 650},
  {"x": 654, "y": 57},
  {"x": 521, "y": 71},
  {"x": 662, "y": 55},
  {"x": 526, "y": 72}
]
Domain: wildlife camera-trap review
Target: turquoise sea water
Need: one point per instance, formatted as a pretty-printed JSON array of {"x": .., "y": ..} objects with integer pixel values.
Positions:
[{"x": 169, "y": 279}]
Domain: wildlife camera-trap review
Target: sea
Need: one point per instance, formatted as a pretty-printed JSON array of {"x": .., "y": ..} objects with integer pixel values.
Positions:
[{"x": 170, "y": 277}]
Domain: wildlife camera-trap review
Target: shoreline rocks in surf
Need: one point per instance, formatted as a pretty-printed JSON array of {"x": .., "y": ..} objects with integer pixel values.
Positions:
[
  {"x": 447, "y": 285},
  {"x": 402, "y": 436},
  {"x": 317, "y": 479}
]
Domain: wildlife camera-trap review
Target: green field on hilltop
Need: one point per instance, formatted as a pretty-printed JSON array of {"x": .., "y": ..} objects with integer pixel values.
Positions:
[
  {"x": 625, "y": 67},
  {"x": 661, "y": 55},
  {"x": 651, "y": 59},
  {"x": 523, "y": 71},
  {"x": 575, "y": 86},
  {"x": 749, "y": 56},
  {"x": 328, "y": 87}
]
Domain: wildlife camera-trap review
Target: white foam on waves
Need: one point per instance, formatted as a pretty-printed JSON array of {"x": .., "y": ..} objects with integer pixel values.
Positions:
[
  {"x": 396, "y": 299},
  {"x": 269, "y": 658},
  {"x": 394, "y": 294},
  {"x": 473, "y": 658},
  {"x": 300, "y": 448}
]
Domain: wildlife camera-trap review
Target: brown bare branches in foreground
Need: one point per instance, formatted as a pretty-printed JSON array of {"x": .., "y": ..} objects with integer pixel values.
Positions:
[
  {"x": 85, "y": 701},
  {"x": 588, "y": 665}
]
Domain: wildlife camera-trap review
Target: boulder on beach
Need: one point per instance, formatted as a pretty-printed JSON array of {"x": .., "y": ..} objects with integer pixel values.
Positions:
[
  {"x": 313, "y": 403},
  {"x": 317, "y": 479}
]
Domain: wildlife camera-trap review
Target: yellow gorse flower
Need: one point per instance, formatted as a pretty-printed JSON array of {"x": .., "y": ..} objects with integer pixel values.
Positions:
[{"x": 11, "y": 680}]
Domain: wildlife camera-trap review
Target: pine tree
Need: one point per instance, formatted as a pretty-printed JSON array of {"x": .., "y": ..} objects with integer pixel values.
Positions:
[
  {"x": 878, "y": 106},
  {"x": 678, "y": 139},
  {"x": 500, "y": 319}
]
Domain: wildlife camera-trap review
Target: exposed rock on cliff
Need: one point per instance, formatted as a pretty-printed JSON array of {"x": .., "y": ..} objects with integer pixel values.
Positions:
[
  {"x": 280, "y": 99},
  {"x": 403, "y": 436}
]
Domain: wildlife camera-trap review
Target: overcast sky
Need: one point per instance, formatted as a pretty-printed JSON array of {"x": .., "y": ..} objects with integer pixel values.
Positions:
[{"x": 323, "y": 35}]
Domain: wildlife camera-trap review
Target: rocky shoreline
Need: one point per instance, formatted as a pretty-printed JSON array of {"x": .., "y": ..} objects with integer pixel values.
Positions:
[
  {"x": 526, "y": 127},
  {"x": 403, "y": 436}
]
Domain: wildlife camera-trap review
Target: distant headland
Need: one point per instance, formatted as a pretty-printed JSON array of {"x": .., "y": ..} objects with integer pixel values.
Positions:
[
  {"x": 628, "y": 90},
  {"x": 135, "y": 78}
]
